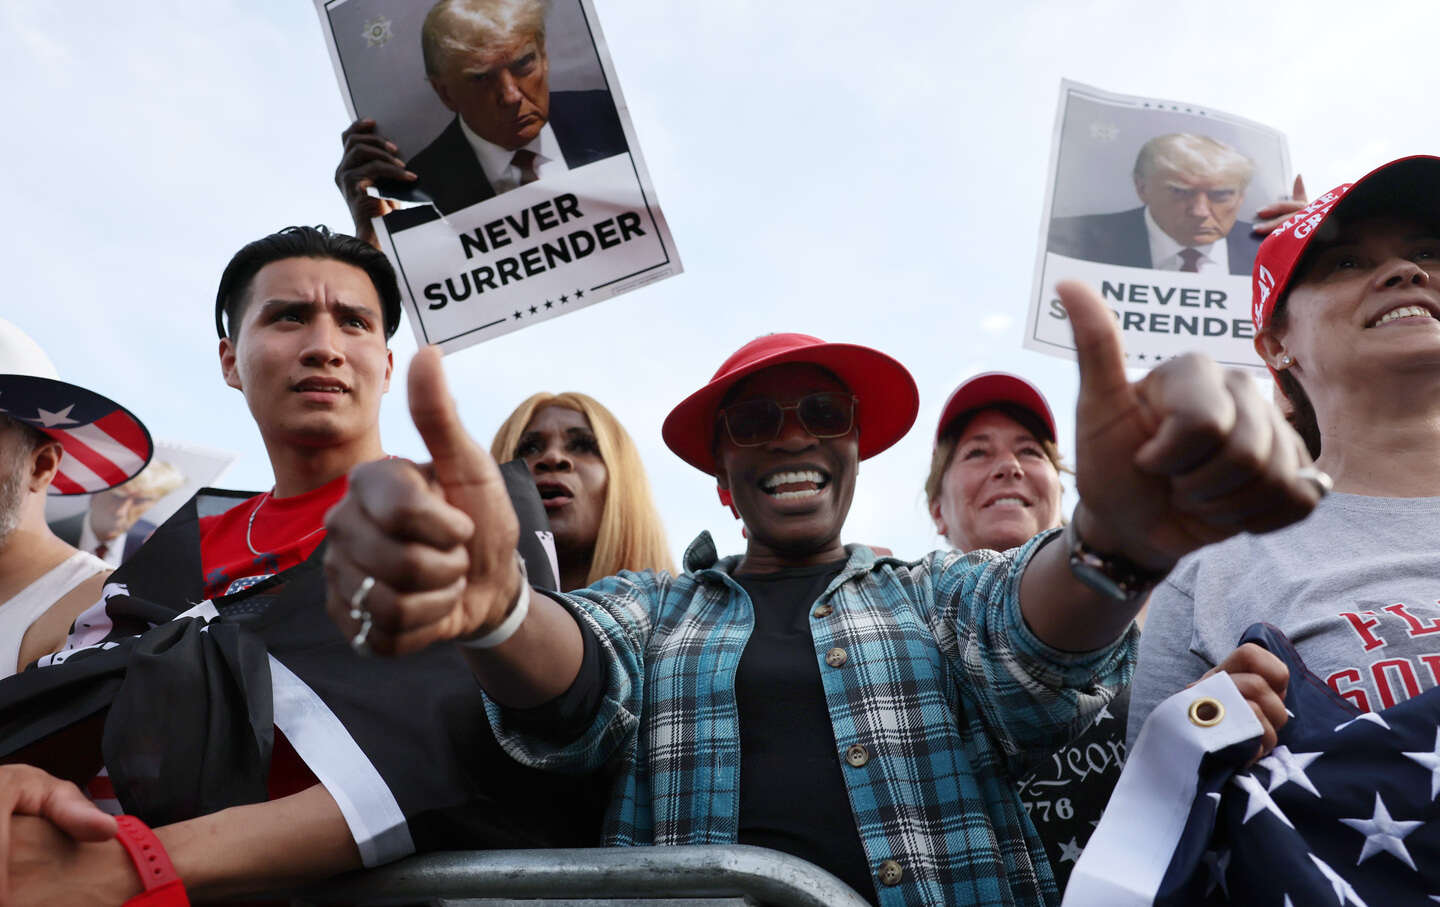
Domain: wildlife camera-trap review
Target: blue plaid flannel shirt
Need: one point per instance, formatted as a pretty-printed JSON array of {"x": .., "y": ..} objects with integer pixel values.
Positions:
[{"x": 944, "y": 684}]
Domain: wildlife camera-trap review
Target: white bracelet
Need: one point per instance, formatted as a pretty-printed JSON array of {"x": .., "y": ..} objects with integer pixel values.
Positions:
[{"x": 513, "y": 620}]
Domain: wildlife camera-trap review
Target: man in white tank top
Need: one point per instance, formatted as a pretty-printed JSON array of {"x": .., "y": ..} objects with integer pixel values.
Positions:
[{"x": 55, "y": 438}]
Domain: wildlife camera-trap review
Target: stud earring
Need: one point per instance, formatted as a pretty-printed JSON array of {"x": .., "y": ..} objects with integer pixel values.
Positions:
[{"x": 1286, "y": 361}]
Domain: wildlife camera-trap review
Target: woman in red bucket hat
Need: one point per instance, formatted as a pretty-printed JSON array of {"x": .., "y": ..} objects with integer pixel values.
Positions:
[{"x": 864, "y": 713}]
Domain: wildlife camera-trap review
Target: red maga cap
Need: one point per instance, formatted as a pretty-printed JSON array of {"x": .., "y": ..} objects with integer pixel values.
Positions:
[
  {"x": 995, "y": 387},
  {"x": 1406, "y": 185},
  {"x": 888, "y": 398}
]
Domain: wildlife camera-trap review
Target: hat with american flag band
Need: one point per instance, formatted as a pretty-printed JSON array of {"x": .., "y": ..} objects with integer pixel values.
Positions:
[{"x": 104, "y": 444}]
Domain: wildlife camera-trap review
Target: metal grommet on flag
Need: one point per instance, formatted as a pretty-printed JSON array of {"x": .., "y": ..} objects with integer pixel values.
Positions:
[{"x": 1206, "y": 712}]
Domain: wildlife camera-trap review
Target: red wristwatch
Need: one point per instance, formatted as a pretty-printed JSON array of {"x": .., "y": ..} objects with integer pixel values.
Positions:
[{"x": 163, "y": 887}]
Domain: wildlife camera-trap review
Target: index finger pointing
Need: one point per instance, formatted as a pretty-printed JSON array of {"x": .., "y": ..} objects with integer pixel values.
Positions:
[
  {"x": 1098, "y": 348},
  {"x": 457, "y": 459}
]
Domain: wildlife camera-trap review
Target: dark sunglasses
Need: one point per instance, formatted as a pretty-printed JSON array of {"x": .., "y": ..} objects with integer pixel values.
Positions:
[{"x": 824, "y": 415}]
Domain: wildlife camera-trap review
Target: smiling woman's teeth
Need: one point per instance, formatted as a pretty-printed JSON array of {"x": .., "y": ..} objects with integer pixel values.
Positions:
[
  {"x": 781, "y": 485},
  {"x": 1018, "y": 502},
  {"x": 1406, "y": 311},
  {"x": 790, "y": 495}
]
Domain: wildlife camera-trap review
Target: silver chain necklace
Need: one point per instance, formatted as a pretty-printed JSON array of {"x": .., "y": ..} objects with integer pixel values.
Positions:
[{"x": 249, "y": 525}]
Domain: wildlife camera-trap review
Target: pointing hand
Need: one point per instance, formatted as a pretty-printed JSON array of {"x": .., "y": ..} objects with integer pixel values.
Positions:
[{"x": 437, "y": 539}]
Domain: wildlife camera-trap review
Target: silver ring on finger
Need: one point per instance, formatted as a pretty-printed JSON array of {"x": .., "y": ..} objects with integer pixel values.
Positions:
[
  {"x": 359, "y": 612},
  {"x": 1323, "y": 483}
]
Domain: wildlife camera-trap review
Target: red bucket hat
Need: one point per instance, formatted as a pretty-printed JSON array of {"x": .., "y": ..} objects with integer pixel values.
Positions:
[
  {"x": 888, "y": 398},
  {"x": 996, "y": 387},
  {"x": 1408, "y": 184}
]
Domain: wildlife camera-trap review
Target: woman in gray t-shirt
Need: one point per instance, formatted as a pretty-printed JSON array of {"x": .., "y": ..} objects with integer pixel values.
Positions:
[{"x": 1347, "y": 310}]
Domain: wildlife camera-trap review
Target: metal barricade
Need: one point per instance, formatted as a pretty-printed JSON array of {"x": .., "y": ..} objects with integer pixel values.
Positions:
[{"x": 592, "y": 877}]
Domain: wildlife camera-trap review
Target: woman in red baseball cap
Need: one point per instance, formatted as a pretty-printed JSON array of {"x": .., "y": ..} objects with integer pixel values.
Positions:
[
  {"x": 994, "y": 477},
  {"x": 994, "y": 482},
  {"x": 1347, "y": 308}
]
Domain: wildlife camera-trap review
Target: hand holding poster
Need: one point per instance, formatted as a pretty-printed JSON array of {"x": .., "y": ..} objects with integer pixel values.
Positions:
[
  {"x": 1153, "y": 203},
  {"x": 527, "y": 196}
]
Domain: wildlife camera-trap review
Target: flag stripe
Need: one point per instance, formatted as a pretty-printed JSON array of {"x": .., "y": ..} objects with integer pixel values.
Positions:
[
  {"x": 320, "y": 739},
  {"x": 128, "y": 432},
  {"x": 63, "y": 484},
  {"x": 80, "y": 474},
  {"x": 108, "y": 459},
  {"x": 114, "y": 449},
  {"x": 96, "y": 463}
]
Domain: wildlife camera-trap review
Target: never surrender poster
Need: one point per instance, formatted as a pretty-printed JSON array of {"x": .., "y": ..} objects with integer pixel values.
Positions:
[
  {"x": 1152, "y": 203},
  {"x": 531, "y": 198}
]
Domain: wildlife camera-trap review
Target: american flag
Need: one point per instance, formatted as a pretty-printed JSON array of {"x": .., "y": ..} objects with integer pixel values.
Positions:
[
  {"x": 104, "y": 443},
  {"x": 1344, "y": 811}
]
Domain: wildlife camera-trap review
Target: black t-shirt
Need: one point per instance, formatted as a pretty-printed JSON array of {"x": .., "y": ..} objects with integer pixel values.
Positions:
[
  {"x": 1068, "y": 790},
  {"x": 792, "y": 791}
]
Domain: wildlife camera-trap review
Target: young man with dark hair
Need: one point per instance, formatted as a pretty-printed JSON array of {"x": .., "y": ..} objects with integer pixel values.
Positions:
[{"x": 263, "y": 748}]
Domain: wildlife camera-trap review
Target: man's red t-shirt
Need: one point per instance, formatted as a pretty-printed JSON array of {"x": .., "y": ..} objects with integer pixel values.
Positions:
[{"x": 285, "y": 531}]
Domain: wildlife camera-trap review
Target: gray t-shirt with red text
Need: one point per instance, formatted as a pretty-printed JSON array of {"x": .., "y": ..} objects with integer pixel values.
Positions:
[{"x": 1355, "y": 586}]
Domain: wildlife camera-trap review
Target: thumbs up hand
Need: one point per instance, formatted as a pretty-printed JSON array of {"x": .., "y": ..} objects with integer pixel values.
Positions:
[
  {"x": 1186, "y": 456},
  {"x": 436, "y": 541}
]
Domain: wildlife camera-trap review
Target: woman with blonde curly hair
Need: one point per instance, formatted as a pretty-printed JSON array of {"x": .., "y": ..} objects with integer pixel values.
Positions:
[{"x": 592, "y": 483}]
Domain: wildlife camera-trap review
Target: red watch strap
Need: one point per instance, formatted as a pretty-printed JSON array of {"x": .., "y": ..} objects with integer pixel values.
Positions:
[{"x": 163, "y": 887}]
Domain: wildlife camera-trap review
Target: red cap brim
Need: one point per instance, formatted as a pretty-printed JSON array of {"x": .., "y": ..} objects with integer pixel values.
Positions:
[{"x": 996, "y": 387}]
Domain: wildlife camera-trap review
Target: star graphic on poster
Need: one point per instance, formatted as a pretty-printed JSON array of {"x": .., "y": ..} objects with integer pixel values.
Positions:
[
  {"x": 517, "y": 316},
  {"x": 1104, "y": 132},
  {"x": 579, "y": 294},
  {"x": 1344, "y": 892},
  {"x": 1070, "y": 851},
  {"x": 1259, "y": 799},
  {"x": 50, "y": 420},
  {"x": 1432, "y": 762},
  {"x": 1383, "y": 833},
  {"x": 1219, "y": 866},
  {"x": 533, "y": 310},
  {"x": 1104, "y": 713},
  {"x": 549, "y": 304},
  {"x": 1284, "y": 766},
  {"x": 1372, "y": 717},
  {"x": 564, "y": 299},
  {"x": 377, "y": 31}
]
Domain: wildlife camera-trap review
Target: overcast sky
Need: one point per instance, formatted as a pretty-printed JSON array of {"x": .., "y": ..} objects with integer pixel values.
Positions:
[{"x": 865, "y": 172}]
